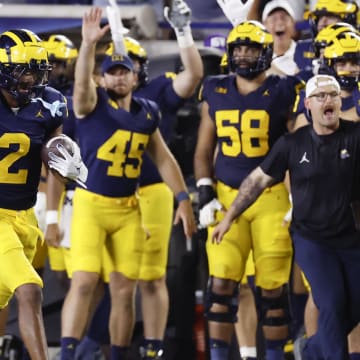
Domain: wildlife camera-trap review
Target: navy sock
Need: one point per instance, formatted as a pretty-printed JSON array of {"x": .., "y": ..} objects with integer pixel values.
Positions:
[
  {"x": 219, "y": 349},
  {"x": 151, "y": 348},
  {"x": 275, "y": 349},
  {"x": 118, "y": 352},
  {"x": 99, "y": 326},
  {"x": 68, "y": 347},
  {"x": 87, "y": 348},
  {"x": 354, "y": 356},
  {"x": 298, "y": 303}
]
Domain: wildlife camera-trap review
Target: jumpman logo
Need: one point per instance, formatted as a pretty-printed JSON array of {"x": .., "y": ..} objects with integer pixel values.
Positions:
[{"x": 304, "y": 159}]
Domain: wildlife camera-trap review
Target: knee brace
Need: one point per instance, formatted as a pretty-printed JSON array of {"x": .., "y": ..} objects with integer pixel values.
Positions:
[
  {"x": 230, "y": 301},
  {"x": 279, "y": 303}
]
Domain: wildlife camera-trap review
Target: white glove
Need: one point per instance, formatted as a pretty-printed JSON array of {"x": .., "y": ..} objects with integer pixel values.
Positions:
[
  {"x": 70, "y": 166},
  {"x": 207, "y": 213},
  {"x": 235, "y": 10},
  {"x": 40, "y": 210},
  {"x": 179, "y": 16}
]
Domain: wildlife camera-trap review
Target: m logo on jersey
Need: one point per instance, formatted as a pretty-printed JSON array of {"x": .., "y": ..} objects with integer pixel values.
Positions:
[
  {"x": 304, "y": 159},
  {"x": 221, "y": 90}
]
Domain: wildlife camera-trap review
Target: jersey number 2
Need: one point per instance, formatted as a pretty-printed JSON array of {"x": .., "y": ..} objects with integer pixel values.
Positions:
[{"x": 251, "y": 139}]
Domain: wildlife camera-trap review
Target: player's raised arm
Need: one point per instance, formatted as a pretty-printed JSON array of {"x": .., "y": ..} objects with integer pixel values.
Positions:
[
  {"x": 179, "y": 17},
  {"x": 85, "y": 97}
]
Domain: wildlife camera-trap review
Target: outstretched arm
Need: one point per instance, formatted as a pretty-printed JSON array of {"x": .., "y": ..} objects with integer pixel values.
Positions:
[
  {"x": 250, "y": 189},
  {"x": 187, "y": 80},
  {"x": 85, "y": 98}
]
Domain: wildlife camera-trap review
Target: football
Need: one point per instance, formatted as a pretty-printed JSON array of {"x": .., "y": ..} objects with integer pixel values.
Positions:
[{"x": 52, "y": 146}]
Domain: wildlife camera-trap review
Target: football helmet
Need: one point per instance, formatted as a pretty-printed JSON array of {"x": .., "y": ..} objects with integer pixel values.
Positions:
[
  {"x": 325, "y": 35},
  {"x": 21, "y": 53},
  {"x": 252, "y": 34},
  {"x": 61, "y": 53},
  {"x": 136, "y": 52},
  {"x": 345, "y": 10},
  {"x": 343, "y": 47}
]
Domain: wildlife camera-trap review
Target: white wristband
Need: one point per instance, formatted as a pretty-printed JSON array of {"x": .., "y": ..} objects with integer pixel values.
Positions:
[
  {"x": 204, "y": 181},
  {"x": 52, "y": 217},
  {"x": 184, "y": 37}
]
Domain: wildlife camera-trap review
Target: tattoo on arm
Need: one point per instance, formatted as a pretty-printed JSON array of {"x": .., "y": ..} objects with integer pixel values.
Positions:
[{"x": 249, "y": 191}]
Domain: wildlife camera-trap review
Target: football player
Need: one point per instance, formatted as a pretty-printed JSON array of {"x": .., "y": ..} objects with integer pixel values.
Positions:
[
  {"x": 326, "y": 12},
  {"x": 62, "y": 55},
  {"x": 156, "y": 201},
  {"x": 242, "y": 115},
  {"x": 107, "y": 214},
  {"x": 31, "y": 113}
]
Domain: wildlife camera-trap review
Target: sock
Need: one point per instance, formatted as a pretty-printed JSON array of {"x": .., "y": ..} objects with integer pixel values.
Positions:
[
  {"x": 68, "y": 347},
  {"x": 151, "y": 348},
  {"x": 274, "y": 349},
  {"x": 298, "y": 303},
  {"x": 99, "y": 326},
  {"x": 118, "y": 352},
  {"x": 219, "y": 349},
  {"x": 354, "y": 356},
  {"x": 87, "y": 348}
]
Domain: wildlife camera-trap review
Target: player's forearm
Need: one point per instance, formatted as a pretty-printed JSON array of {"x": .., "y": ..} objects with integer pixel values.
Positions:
[
  {"x": 84, "y": 85},
  {"x": 250, "y": 189},
  {"x": 187, "y": 81}
]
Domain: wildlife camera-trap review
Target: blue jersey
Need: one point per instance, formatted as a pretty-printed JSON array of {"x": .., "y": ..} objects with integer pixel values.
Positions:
[
  {"x": 22, "y": 135},
  {"x": 304, "y": 54},
  {"x": 247, "y": 125},
  {"x": 162, "y": 92},
  {"x": 112, "y": 143}
]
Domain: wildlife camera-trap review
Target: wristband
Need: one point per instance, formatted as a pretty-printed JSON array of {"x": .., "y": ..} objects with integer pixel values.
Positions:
[
  {"x": 184, "y": 37},
  {"x": 204, "y": 181},
  {"x": 52, "y": 217},
  {"x": 182, "y": 195}
]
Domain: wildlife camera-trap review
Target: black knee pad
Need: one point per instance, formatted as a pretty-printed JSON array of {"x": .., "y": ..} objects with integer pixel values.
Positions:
[
  {"x": 279, "y": 303},
  {"x": 230, "y": 301}
]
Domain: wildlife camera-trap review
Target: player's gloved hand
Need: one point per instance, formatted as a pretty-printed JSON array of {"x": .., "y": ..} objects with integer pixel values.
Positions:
[
  {"x": 69, "y": 166},
  {"x": 179, "y": 17},
  {"x": 206, "y": 191},
  {"x": 234, "y": 10},
  {"x": 207, "y": 213}
]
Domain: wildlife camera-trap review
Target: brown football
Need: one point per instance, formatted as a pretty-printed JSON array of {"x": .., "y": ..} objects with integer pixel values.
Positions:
[{"x": 51, "y": 146}]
